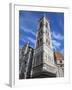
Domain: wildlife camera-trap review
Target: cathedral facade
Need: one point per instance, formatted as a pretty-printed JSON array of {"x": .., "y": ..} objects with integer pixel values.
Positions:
[
  {"x": 41, "y": 62},
  {"x": 25, "y": 61}
]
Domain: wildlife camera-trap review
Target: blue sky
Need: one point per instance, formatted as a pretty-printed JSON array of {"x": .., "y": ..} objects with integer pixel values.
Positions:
[{"x": 28, "y": 24}]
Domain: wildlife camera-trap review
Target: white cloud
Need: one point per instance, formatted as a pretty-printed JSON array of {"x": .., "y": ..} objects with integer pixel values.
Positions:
[
  {"x": 57, "y": 39},
  {"x": 32, "y": 32},
  {"x": 56, "y": 44},
  {"x": 31, "y": 40},
  {"x": 57, "y": 36},
  {"x": 28, "y": 30}
]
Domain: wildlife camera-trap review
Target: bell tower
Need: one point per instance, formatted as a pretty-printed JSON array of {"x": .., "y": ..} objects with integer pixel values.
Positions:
[{"x": 43, "y": 62}]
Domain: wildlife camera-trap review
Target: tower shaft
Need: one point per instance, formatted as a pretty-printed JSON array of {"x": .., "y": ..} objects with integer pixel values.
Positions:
[{"x": 43, "y": 61}]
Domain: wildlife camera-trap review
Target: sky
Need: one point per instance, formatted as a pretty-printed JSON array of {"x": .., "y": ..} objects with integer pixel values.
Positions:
[{"x": 28, "y": 25}]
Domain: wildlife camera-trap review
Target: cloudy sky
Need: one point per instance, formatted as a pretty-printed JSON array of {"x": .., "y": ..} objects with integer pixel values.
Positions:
[{"x": 28, "y": 24}]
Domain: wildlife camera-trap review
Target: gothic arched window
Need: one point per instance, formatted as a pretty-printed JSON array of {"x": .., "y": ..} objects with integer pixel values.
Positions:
[
  {"x": 40, "y": 41},
  {"x": 46, "y": 25},
  {"x": 41, "y": 24},
  {"x": 47, "y": 42}
]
